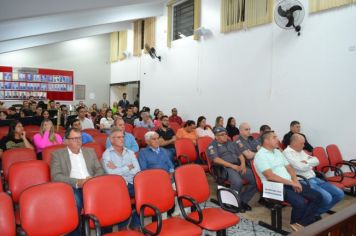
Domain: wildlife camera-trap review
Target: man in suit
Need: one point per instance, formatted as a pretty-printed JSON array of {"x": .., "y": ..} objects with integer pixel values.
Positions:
[
  {"x": 75, "y": 165},
  {"x": 123, "y": 103}
]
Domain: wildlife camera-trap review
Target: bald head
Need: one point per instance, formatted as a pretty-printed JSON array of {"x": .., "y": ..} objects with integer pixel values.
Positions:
[
  {"x": 245, "y": 130},
  {"x": 297, "y": 142}
]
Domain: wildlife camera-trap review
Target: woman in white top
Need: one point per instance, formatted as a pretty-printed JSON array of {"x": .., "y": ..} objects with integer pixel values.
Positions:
[
  {"x": 107, "y": 121},
  {"x": 203, "y": 129}
]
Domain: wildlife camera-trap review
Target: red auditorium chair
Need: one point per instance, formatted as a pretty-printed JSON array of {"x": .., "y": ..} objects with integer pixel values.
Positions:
[
  {"x": 336, "y": 159},
  {"x": 129, "y": 128},
  {"x": 203, "y": 143},
  {"x": 139, "y": 133},
  {"x": 99, "y": 149},
  {"x": 185, "y": 151},
  {"x": 192, "y": 190},
  {"x": 255, "y": 135},
  {"x": 47, "y": 152},
  {"x": 92, "y": 132},
  {"x": 15, "y": 155},
  {"x": 7, "y": 217},
  {"x": 175, "y": 126},
  {"x": 101, "y": 205},
  {"x": 32, "y": 128},
  {"x": 154, "y": 195},
  {"x": 48, "y": 209},
  {"x": 100, "y": 139},
  {"x": 26, "y": 174}
]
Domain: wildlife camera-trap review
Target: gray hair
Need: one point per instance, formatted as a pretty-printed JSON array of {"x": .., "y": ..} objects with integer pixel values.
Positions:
[
  {"x": 115, "y": 130},
  {"x": 149, "y": 135}
]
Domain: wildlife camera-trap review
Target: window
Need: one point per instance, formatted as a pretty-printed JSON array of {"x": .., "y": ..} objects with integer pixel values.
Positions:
[{"x": 183, "y": 19}]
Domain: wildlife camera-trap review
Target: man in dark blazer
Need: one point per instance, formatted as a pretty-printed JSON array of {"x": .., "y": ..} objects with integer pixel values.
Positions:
[{"x": 74, "y": 165}]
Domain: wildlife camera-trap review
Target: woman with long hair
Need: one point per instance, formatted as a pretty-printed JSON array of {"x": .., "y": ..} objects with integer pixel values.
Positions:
[
  {"x": 203, "y": 129},
  {"x": 107, "y": 121},
  {"x": 219, "y": 122},
  {"x": 46, "y": 137},
  {"x": 231, "y": 128}
]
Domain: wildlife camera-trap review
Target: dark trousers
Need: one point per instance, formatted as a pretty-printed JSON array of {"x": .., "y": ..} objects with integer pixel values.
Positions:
[
  {"x": 78, "y": 195},
  {"x": 305, "y": 204}
]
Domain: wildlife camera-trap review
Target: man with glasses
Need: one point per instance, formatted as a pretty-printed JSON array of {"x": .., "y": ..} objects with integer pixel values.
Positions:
[
  {"x": 226, "y": 154},
  {"x": 175, "y": 118},
  {"x": 74, "y": 165}
]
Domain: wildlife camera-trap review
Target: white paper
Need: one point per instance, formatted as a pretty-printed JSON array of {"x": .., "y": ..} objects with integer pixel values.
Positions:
[
  {"x": 273, "y": 190},
  {"x": 227, "y": 197}
]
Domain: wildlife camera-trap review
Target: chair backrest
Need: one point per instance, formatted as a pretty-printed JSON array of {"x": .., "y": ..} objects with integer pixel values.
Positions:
[
  {"x": 203, "y": 143},
  {"x": 185, "y": 148},
  {"x": 129, "y": 128},
  {"x": 175, "y": 126},
  {"x": 191, "y": 181},
  {"x": 139, "y": 133},
  {"x": 47, "y": 152},
  {"x": 153, "y": 187},
  {"x": 15, "y": 155},
  {"x": 99, "y": 149},
  {"x": 7, "y": 217},
  {"x": 255, "y": 135},
  {"x": 281, "y": 145},
  {"x": 107, "y": 198},
  {"x": 48, "y": 209},
  {"x": 235, "y": 138},
  {"x": 32, "y": 128},
  {"x": 26, "y": 174},
  {"x": 91, "y": 131},
  {"x": 100, "y": 139},
  {"x": 334, "y": 154},
  {"x": 259, "y": 184},
  {"x": 319, "y": 152}
]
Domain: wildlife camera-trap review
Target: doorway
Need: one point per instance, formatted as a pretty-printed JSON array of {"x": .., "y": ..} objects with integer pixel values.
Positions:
[{"x": 132, "y": 90}]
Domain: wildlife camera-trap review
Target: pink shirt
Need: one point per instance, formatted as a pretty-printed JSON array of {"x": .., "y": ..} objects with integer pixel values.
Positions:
[{"x": 42, "y": 142}]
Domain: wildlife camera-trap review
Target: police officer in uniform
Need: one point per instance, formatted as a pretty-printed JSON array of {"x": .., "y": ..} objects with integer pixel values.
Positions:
[
  {"x": 227, "y": 154},
  {"x": 247, "y": 145}
]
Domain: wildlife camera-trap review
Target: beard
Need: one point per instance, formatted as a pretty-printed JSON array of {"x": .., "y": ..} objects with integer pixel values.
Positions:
[{"x": 164, "y": 126}]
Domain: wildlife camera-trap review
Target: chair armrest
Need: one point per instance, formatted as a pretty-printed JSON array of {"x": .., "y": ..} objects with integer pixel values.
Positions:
[
  {"x": 320, "y": 175},
  {"x": 159, "y": 220},
  {"x": 350, "y": 165},
  {"x": 183, "y": 156},
  {"x": 196, "y": 205},
  {"x": 87, "y": 218},
  {"x": 305, "y": 179},
  {"x": 221, "y": 204},
  {"x": 337, "y": 172}
]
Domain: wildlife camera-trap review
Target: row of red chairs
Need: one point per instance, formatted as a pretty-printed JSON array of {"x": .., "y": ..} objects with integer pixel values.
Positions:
[{"x": 49, "y": 208}]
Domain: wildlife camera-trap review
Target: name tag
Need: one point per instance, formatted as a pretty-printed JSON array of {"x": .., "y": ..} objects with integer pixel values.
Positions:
[{"x": 273, "y": 190}]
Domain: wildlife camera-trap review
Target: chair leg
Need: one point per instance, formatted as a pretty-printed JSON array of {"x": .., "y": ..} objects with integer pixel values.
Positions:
[
  {"x": 276, "y": 220},
  {"x": 221, "y": 232}
]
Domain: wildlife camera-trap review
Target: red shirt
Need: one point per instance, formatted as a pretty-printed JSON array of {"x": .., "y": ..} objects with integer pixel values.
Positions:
[{"x": 176, "y": 119}]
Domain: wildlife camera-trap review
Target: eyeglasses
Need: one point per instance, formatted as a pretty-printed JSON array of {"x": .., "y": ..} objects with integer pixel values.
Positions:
[
  {"x": 117, "y": 137},
  {"x": 154, "y": 138},
  {"x": 75, "y": 139}
]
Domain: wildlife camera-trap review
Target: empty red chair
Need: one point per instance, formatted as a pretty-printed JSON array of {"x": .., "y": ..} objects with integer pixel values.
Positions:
[
  {"x": 15, "y": 155},
  {"x": 48, "y": 209},
  {"x": 192, "y": 190},
  {"x": 99, "y": 149},
  {"x": 185, "y": 151},
  {"x": 100, "y": 139},
  {"x": 139, "y": 133},
  {"x": 336, "y": 159},
  {"x": 203, "y": 143},
  {"x": 101, "y": 204},
  {"x": 47, "y": 152},
  {"x": 32, "y": 128},
  {"x": 91, "y": 131},
  {"x": 129, "y": 128},
  {"x": 154, "y": 195},
  {"x": 175, "y": 126},
  {"x": 7, "y": 218}
]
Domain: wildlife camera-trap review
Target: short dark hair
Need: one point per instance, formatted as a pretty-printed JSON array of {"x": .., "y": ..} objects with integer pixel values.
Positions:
[
  {"x": 79, "y": 108},
  {"x": 12, "y": 126},
  {"x": 264, "y": 128},
  {"x": 67, "y": 133},
  {"x": 200, "y": 119},
  {"x": 124, "y": 94},
  {"x": 189, "y": 123},
  {"x": 73, "y": 121},
  {"x": 164, "y": 116},
  {"x": 294, "y": 122},
  {"x": 265, "y": 135}
]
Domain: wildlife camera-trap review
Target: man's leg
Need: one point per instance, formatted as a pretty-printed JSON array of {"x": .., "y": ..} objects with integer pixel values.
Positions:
[
  {"x": 78, "y": 195},
  {"x": 236, "y": 182},
  {"x": 297, "y": 201},
  {"x": 135, "y": 219},
  {"x": 251, "y": 188},
  {"x": 314, "y": 201}
]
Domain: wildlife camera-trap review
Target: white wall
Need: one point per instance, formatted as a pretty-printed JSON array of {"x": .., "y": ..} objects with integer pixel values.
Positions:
[
  {"x": 260, "y": 75},
  {"x": 87, "y": 57}
]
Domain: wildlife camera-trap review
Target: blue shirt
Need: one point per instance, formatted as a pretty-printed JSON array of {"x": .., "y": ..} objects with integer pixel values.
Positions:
[
  {"x": 121, "y": 162},
  {"x": 86, "y": 138},
  {"x": 129, "y": 142},
  {"x": 150, "y": 158}
]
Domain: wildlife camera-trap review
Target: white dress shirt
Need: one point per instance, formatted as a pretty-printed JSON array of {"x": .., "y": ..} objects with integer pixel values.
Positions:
[
  {"x": 86, "y": 123},
  {"x": 79, "y": 168},
  {"x": 295, "y": 159}
]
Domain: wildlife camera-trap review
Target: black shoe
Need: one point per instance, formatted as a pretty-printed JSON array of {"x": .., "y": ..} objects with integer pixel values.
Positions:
[
  {"x": 246, "y": 206},
  {"x": 317, "y": 218},
  {"x": 241, "y": 210}
]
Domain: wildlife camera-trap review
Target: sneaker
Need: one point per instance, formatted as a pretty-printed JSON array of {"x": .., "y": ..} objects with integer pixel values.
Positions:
[{"x": 246, "y": 206}]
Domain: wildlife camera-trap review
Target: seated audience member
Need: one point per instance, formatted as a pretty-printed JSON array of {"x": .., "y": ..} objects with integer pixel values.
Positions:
[
  {"x": 119, "y": 160},
  {"x": 26, "y": 108},
  {"x": 16, "y": 138},
  {"x": 219, "y": 122},
  {"x": 202, "y": 129},
  {"x": 45, "y": 115},
  {"x": 74, "y": 165},
  {"x": 157, "y": 119},
  {"x": 98, "y": 117},
  {"x": 85, "y": 122},
  {"x": 46, "y": 137},
  {"x": 167, "y": 137},
  {"x": 94, "y": 107},
  {"x": 225, "y": 153},
  {"x": 107, "y": 121},
  {"x": 271, "y": 165},
  {"x": 247, "y": 145},
  {"x": 3, "y": 115},
  {"x": 129, "y": 139},
  {"x": 231, "y": 128},
  {"x": 12, "y": 113},
  {"x": 32, "y": 111},
  {"x": 263, "y": 128},
  {"x": 129, "y": 117},
  {"x": 146, "y": 121},
  {"x": 188, "y": 131},
  {"x": 38, "y": 111},
  {"x": 135, "y": 110},
  {"x": 303, "y": 164},
  {"x": 295, "y": 128},
  {"x": 86, "y": 138},
  {"x": 115, "y": 107},
  {"x": 175, "y": 118},
  {"x": 154, "y": 157}
]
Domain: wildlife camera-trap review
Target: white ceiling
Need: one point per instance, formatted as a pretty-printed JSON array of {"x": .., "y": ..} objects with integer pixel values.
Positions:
[{"x": 30, "y": 23}]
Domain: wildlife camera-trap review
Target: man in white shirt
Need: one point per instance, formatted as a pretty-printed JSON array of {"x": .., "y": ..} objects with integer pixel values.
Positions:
[
  {"x": 303, "y": 165},
  {"x": 74, "y": 165},
  {"x": 84, "y": 121}
]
